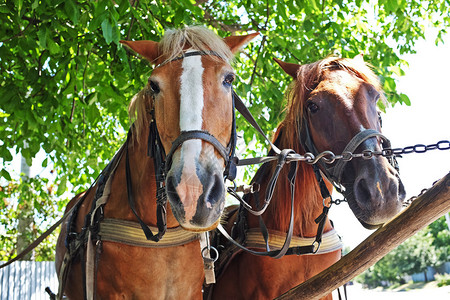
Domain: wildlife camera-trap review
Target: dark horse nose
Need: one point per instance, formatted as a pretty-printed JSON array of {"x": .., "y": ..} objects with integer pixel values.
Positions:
[
  {"x": 210, "y": 204},
  {"x": 198, "y": 201},
  {"x": 376, "y": 192}
]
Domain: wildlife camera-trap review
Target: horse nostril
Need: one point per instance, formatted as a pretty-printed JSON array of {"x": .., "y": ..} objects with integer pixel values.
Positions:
[
  {"x": 362, "y": 192},
  {"x": 216, "y": 190}
]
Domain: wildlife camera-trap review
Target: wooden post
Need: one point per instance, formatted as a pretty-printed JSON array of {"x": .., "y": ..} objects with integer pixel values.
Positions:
[{"x": 424, "y": 210}]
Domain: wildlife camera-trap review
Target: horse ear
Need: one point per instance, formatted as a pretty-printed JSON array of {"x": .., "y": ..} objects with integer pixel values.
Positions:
[
  {"x": 359, "y": 57},
  {"x": 237, "y": 42},
  {"x": 147, "y": 49},
  {"x": 290, "y": 69}
]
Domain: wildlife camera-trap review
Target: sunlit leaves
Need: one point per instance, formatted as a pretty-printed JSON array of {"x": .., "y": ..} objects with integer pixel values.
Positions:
[
  {"x": 66, "y": 81},
  {"x": 32, "y": 197}
]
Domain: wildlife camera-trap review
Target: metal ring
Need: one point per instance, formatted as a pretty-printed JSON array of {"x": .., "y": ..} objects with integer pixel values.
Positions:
[
  {"x": 214, "y": 257},
  {"x": 323, "y": 202},
  {"x": 316, "y": 246},
  {"x": 234, "y": 185},
  {"x": 309, "y": 158}
]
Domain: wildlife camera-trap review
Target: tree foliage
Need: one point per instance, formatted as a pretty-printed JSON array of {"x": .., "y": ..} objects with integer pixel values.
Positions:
[
  {"x": 32, "y": 198},
  {"x": 67, "y": 81},
  {"x": 428, "y": 248}
]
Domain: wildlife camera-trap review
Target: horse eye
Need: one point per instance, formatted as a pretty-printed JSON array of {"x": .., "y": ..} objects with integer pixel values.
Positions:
[
  {"x": 154, "y": 86},
  {"x": 228, "y": 80},
  {"x": 312, "y": 107}
]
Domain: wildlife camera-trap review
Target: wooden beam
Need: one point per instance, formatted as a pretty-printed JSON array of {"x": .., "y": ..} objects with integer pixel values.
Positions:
[{"x": 424, "y": 210}]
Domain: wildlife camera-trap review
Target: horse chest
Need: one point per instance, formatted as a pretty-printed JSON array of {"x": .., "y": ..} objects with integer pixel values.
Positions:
[{"x": 130, "y": 272}]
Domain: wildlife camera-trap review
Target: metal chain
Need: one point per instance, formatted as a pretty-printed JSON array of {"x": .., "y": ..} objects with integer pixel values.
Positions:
[
  {"x": 408, "y": 202},
  {"x": 329, "y": 157}
]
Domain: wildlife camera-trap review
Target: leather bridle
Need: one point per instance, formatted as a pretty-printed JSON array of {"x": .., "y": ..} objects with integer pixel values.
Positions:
[
  {"x": 163, "y": 161},
  {"x": 334, "y": 172}
]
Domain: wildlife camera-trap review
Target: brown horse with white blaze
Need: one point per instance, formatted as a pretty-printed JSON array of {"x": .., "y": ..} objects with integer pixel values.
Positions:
[
  {"x": 187, "y": 111},
  {"x": 332, "y": 101}
]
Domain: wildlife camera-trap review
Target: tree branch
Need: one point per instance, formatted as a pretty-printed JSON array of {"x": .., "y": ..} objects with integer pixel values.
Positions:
[
  {"x": 133, "y": 3},
  {"x": 75, "y": 90},
  {"x": 16, "y": 35},
  {"x": 256, "y": 64},
  {"x": 84, "y": 74}
]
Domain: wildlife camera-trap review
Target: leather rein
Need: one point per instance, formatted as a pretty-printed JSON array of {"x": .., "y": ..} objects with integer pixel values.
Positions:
[{"x": 332, "y": 173}]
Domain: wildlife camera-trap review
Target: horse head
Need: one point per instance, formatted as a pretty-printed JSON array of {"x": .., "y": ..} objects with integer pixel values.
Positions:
[
  {"x": 191, "y": 102},
  {"x": 336, "y": 108}
]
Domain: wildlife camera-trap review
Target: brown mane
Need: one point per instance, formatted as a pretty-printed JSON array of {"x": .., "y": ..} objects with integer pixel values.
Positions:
[{"x": 288, "y": 134}]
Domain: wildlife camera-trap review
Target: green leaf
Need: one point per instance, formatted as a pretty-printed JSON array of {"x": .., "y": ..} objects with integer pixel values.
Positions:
[
  {"x": 35, "y": 4},
  {"x": 5, "y": 174},
  {"x": 19, "y": 4},
  {"x": 405, "y": 99},
  {"x": 52, "y": 46},
  {"x": 42, "y": 37},
  {"x": 307, "y": 25},
  {"x": 5, "y": 154},
  {"x": 4, "y": 9},
  {"x": 45, "y": 162},
  {"x": 107, "y": 31},
  {"x": 71, "y": 10},
  {"x": 62, "y": 186}
]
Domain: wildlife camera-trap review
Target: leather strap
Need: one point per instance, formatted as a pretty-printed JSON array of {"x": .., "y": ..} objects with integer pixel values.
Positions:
[
  {"x": 188, "y": 54},
  {"x": 240, "y": 106},
  {"x": 285, "y": 248},
  {"x": 196, "y": 135},
  {"x": 148, "y": 233},
  {"x": 354, "y": 143}
]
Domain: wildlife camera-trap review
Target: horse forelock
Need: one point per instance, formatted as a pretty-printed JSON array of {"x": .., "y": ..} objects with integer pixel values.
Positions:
[{"x": 176, "y": 41}]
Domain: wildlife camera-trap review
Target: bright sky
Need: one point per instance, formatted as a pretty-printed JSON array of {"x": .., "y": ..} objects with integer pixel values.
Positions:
[{"x": 426, "y": 121}]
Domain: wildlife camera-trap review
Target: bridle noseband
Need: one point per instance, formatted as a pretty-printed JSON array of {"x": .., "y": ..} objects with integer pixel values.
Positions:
[
  {"x": 163, "y": 162},
  {"x": 334, "y": 172}
]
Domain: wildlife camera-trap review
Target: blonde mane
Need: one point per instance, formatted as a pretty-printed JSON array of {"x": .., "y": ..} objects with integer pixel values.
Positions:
[
  {"x": 308, "y": 78},
  {"x": 172, "y": 45},
  {"x": 176, "y": 41}
]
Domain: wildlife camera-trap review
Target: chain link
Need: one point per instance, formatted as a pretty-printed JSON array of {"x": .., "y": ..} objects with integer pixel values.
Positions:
[
  {"x": 329, "y": 157},
  {"x": 408, "y": 202}
]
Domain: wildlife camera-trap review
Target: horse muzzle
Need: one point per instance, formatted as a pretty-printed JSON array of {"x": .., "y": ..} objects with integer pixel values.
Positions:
[
  {"x": 196, "y": 189},
  {"x": 378, "y": 193}
]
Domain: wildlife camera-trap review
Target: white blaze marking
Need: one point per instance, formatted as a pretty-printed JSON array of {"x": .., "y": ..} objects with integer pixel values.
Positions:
[
  {"x": 191, "y": 107},
  {"x": 191, "y": 91}
]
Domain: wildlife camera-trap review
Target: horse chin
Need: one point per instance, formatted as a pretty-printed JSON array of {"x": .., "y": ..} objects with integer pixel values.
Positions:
[
  {"x": 370, "y": 226},
  {"x": 373, "y": 214},
  {"x": 200, "y": 220},
  {"x": 196, "y": 229}
]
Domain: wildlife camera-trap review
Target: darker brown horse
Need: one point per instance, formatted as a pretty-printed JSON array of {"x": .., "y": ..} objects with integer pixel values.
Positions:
[
  {"x": 331, "y": 101},
  {"x": 184, "y": 118}
]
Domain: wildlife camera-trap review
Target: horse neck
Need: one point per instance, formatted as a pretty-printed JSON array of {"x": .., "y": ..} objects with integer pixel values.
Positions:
[
  {"x": 142, "y": 171},
  {"x": 307, "y": 198}
]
